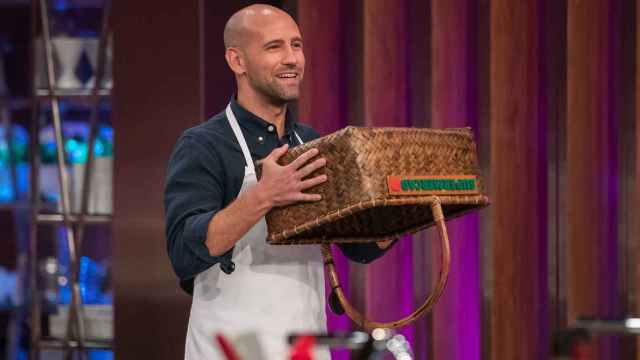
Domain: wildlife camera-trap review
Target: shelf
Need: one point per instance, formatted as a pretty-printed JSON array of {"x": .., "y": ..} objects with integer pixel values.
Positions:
[
  {"x": 70, "y": 104},
  {"x": 73, "y": 103},
  {"x": 71, "y": 93},
  {"x": 79, "y": 96},
  {"x": 57, "y": 219},
  {"x": 59, "y": 344}
]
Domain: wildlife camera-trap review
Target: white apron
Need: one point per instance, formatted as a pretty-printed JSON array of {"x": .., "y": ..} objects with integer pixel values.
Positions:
[{"x": 275, "y": 290}]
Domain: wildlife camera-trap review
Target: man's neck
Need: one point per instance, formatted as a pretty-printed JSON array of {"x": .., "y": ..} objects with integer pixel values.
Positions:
[{"x": 258, "y": 105}]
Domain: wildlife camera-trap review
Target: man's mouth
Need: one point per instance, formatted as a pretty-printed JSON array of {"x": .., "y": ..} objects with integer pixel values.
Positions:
[{"x": 287, "y": 75}]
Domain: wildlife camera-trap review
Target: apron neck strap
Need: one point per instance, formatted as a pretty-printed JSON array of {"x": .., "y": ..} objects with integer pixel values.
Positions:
[{"x": 238, "y": 133}]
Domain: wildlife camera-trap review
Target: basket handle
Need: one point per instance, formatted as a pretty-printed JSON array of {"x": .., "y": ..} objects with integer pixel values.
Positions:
[{"x": 368, "y": 324}]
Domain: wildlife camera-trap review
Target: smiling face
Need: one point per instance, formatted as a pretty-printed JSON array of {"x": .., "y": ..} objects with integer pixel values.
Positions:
[
  {"x": 275, "y": 60},
  {"x": 272, "y": 57}
]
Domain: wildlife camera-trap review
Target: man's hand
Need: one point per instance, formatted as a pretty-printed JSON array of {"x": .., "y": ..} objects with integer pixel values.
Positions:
[
  {"x": 284, "y": 185},
  {"x": 383, "y": 245},
  {"x": 279, "y": 186}
]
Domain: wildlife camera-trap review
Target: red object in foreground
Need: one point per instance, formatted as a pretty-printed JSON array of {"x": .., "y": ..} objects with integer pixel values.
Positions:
[
  {"x": 582, "y": 350},
  {"x": 303, "y": 348},
  {"x": 228, "y": 350}
]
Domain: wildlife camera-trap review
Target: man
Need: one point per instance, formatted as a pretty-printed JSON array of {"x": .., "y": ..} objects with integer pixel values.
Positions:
[{"x": 215, "y": 206}]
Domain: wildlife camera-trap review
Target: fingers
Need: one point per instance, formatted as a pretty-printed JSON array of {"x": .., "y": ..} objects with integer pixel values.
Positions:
[
  {"x": 309, "y": 197},
  {"x": 302, "y": 159},
  {"x": 303, "y": 197},
  {"x": 288, "y": 180},
  {"x": 310, "y": 168},
  {"x": 278, "y": 152},
  {"x": 313, "y": 182},
  {"x": 297, "y": 196}
]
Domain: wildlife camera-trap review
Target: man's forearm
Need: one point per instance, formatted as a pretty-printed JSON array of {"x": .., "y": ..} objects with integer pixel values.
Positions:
[{"x": 234, "y": 221}]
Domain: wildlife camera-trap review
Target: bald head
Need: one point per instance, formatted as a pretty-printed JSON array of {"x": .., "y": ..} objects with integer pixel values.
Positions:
[
  {"x": 264, "y": 50},
  {"x": 246, "y": 21}
]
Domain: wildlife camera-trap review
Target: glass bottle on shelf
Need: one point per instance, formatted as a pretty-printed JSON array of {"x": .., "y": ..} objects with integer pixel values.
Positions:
[
  {"x": 19, "y": 151},
  {"x": 100, "y": 196}
]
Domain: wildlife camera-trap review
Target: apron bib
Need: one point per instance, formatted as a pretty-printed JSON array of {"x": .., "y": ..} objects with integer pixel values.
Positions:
[{"x": 275, "y": 290}]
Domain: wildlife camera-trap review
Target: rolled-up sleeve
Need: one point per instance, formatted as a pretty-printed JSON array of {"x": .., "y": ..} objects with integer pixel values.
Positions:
[{"x": 193, "y": 195}]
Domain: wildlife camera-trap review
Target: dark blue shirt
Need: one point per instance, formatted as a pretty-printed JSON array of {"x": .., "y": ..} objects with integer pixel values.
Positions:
[{"x": 205, "y": 174}]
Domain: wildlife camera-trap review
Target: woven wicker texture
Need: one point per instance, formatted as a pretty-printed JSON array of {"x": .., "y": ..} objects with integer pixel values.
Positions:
[{"x": 356, "y": 205}]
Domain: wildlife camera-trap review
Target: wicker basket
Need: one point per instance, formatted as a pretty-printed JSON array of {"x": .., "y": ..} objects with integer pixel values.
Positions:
[
  {"x": 358, "y": 202},
  {"x": 383, "y": 183}
]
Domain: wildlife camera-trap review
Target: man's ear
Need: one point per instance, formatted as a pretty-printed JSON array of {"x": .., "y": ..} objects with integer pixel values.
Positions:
[{"x": 235, "y": 60}]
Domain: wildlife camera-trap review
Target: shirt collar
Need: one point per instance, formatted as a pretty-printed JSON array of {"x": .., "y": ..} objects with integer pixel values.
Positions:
[{"x": 253, "y": 122}]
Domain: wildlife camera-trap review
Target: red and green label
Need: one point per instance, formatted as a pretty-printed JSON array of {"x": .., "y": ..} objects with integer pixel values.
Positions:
[{"x": 432, "y": 185}]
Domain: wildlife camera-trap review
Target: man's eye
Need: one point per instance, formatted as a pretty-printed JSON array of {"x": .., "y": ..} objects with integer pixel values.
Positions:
[
  {"x": 272, "y": 47},
  {"x": 297, "y": 45}
]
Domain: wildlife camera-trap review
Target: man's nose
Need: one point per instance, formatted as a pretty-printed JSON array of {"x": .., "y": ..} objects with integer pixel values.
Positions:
[{"x": 290, "y": 56}]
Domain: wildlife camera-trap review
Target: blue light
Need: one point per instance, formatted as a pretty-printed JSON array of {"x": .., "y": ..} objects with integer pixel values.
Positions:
[
  {"x": 98, "y": 147},
  {"x": 60, "y": 5},
  {"x": 50, "y": 147},
  {"x": 106, "y": 132},
  {"x": 6, "y": 194},
  {"x": 76, "y": 150},
  {"x": 91, "y": 278},
  {"x": 6, "y": 190},
  {"x": 4, "y": 154},
  {"x": 71, "y": 145},
  {"x": 100, "y": 355},
  {"x": 79, "y": 155}
]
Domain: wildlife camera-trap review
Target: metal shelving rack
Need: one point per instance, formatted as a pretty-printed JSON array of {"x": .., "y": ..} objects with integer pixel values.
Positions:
[{"x": 74, "y": 224}]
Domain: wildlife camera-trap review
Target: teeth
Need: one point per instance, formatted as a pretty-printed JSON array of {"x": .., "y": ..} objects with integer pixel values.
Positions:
[{"x": 287, "y": 75}]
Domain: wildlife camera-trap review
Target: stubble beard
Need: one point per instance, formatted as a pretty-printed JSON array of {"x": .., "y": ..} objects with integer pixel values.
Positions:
[{"x": 274, "y": 92}]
